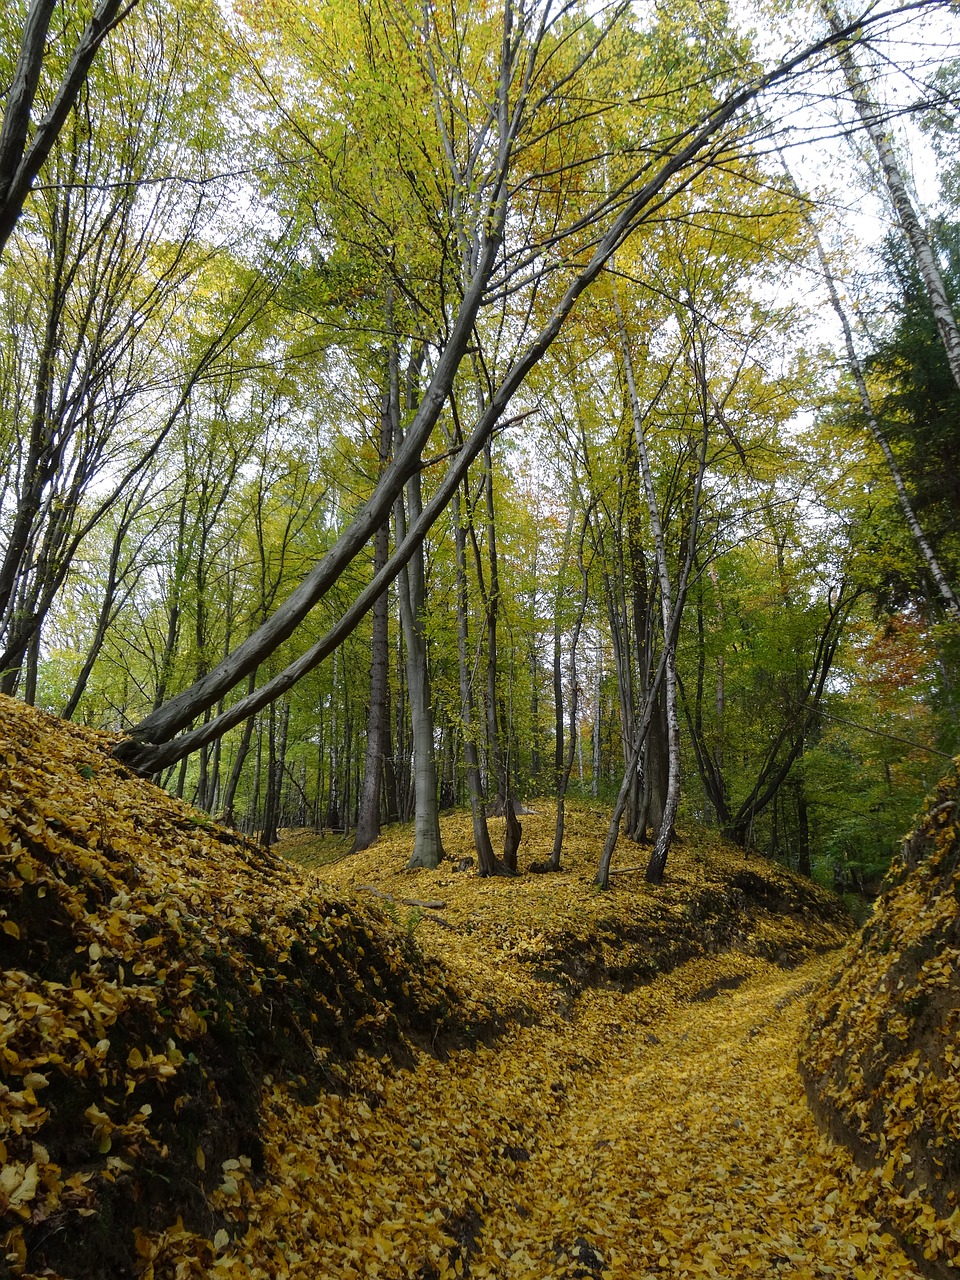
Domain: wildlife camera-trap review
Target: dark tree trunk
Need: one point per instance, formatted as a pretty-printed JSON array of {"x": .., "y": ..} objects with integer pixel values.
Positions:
[
  {"x": 487, "y": 862},
  {"x": 378, "y": 713}
]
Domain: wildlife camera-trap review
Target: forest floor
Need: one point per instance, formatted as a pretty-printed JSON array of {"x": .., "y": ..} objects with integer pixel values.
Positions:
[
  {"x": 655, "y": 1131},
  {"x": 650, "y": 1136},
  {"x": 216, "y": 1064}
]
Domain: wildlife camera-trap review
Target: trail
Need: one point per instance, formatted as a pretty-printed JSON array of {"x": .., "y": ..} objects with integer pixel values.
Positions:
[
  {"x": 654, "y": 1134},
  {"x": 688, "y": 1150}
]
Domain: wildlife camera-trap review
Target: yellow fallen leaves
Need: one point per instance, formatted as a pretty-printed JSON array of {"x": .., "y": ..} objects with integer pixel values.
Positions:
[
  {"x": 542, "y": 938},
  {"x": 882, "y": 1050},
  {"x": 182, "y": 1011},
  {"x": 627, "y": 1145},
  {"x": 151, "y": 964}
]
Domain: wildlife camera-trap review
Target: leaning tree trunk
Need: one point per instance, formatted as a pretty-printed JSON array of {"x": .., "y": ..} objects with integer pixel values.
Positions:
[{"x": 947, "y": 594}]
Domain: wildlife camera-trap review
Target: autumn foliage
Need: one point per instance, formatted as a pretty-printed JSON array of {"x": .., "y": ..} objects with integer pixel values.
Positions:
[{"x": 216, "y": 1062}]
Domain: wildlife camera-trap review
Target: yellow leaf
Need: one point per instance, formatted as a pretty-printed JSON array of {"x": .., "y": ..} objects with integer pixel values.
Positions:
[{"x": 28, "y": 1186}]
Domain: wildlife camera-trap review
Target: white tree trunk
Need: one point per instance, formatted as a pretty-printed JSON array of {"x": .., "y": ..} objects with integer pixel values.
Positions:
[{"x": 900, "y": 197}]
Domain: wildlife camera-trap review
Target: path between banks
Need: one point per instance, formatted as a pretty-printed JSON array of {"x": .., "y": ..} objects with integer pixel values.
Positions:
[
  {"x": 690, "y": 1151},
  {"x": 659, "y": 1133}
]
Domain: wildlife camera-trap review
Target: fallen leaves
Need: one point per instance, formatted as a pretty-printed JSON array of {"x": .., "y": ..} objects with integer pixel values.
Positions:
[
  {"x": 881, "y": 1054},
  {"x": 153, "y": 966},
  {"x": 216, "y": 1065}
]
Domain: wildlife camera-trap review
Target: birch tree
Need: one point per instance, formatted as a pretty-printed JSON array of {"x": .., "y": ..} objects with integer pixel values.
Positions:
[{"x": 875, "y": 125}]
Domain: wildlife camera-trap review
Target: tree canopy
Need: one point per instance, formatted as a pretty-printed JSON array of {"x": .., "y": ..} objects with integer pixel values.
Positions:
[{"x": 412, "y": 406}]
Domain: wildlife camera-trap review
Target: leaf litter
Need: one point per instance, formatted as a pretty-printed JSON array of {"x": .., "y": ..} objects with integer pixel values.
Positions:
[
  {"x": 881, "y": 1054},
  {"x": 217, "y": 1063}
]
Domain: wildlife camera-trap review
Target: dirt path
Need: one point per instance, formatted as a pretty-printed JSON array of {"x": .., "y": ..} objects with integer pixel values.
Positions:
[
  {"x": 689, "y": 1151},
  {"x": 655, "y": 1135}
]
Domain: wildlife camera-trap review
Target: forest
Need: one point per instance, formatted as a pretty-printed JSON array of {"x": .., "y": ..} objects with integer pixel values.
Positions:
[
  {"x": 406, "y": 407},
  {"x": 479, "y": 621}
]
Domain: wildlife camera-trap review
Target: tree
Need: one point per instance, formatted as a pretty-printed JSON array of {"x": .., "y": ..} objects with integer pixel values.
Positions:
[
  {"x": 22, "y": 154},
  {"x": 98, "y": 282},
  {"x": 930, "y": 560},
  {"x": 896, "y": 185},
  {"x": 501, "y": 118}
]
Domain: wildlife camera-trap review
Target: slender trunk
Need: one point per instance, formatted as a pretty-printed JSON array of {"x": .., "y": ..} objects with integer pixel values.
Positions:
[
  {"x": 563, "y": 781},
  {"x": 487, "y": 862},
  {"x": 109, "y": 608},
  {"x": 428, "y": 846},
  {"x": 494, "y": 737},
  {"x": 165, "y": 664},
  {"x": 789, "y": 740},
  {"x": 368, "y": 816},
  {"x": 31, "y": 670},
  {"x": 602, "y": 879},
  {"x": 671, "y": 611},
  {"x": 236, "y": 771},
  {"x": 947, "y": 594},
  {"x": 276, "y": 754},
  {"x": 536, "y": 744},
  {"x": 378, "y": 712},
  {"x": 595, "y": 754},
  {"x": 899, "y": 195},
  {"x": 803, "y": 828},
  {"x": 253, "y": 808},
  {"x": 658, "y": 858}
]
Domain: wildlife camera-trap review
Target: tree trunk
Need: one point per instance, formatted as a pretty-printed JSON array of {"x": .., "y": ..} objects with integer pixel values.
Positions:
[
  {"x": 428, "y": 846},
  {"x": 563, "y": 780},
  {"x": 899, "y": 196},
  {"x": 488, "y": 864},
  {"x": 368, "y": 816},
  {"x": 671, "y": 798},
  {"x": 947, "y": 594},
  {"x": 236, "y": 771},
  {"x": 20, "y": 160},
  {"x": 276, "y": 756},
  {"x": 378, "y": 712}
]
